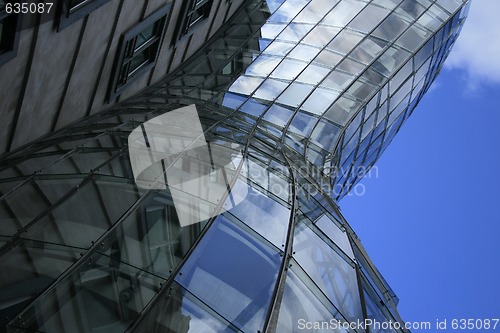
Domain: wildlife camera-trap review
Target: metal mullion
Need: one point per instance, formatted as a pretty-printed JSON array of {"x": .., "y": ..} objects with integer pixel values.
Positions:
[
  {"x": 11, "y": 213},
  {"x": 271, "y": 321},
  {"x": 377, "y": 278},
  {"x": 25, "y": 181},
  {"x": 362, "y": 300}
]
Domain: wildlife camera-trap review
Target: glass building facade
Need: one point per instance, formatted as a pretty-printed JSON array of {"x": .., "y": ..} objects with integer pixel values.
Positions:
[{"x": 208, "y": 203}]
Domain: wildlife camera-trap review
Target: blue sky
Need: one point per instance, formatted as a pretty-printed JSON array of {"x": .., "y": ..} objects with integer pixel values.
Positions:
[{"x": 431, "y": 219}]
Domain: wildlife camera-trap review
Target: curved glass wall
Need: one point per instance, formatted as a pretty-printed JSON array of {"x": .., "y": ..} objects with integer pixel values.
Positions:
[{"x": 200, "y": 205}]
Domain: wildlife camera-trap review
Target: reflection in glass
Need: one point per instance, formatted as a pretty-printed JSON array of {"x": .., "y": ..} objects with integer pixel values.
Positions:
[
  {"x": 171, "y": 150},
  {"x": 101, "y": 296},
  {"x": 333, "y": 275},
  {"x": 241, "y": 294}
]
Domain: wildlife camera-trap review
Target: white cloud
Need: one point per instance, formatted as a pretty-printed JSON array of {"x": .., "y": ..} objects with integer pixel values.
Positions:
[{"x": 477, "y": 50}]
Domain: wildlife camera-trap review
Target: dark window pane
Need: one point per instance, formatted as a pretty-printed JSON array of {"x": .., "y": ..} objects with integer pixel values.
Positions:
[
  {"x": 146, "y": 35},
  {"x": 140, "y": 59},
  {"x": 101, "y": 296}
]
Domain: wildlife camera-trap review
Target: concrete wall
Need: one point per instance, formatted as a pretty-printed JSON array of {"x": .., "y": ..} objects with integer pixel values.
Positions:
[{"x": 59, "y": 77}]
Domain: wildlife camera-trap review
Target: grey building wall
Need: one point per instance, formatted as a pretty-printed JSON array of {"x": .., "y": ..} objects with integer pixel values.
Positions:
[{"x": 60, "y": 75}]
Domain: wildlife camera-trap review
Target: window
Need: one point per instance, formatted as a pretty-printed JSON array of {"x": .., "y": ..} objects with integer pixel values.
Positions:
[
  {"x": 138, "y": 50},
  {"x": 9, "y": 28},
  {"x": 197, "y": 10},
  {"x": 73, "y": 10}
]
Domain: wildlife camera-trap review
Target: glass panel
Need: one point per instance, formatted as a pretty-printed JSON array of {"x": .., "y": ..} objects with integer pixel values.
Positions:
[
  {"x": 402, "y": 93},
  {"x": 319, "y": 101},
  {"x": 338, "y": 80},
  {"x": 368, "y": 50},
  {"x": 342, "y": 110},
  {"x": 345, "y": 41},
  {"x": 289, "y": 69},
  {"x": 270, "y": 89},
  {"x": 343, "y": 13},
  {"x": 101, "y": 296},
  {"x": 288, "y": 10},
  {"x": 31, "y": 164},
  {"x": 180, "y": 311},
  {"x": 278, "y": 115},
  {"x": 273, "y": 5},
  {"x": 321, "y": 35},
  {"x": 27, "y": 269},
  {"x": 263, "y": 214},
  {"x": 424, "y": 53},
  {"x": 327, "y": 58},
  {"x": 262, "y": 66},
  {"x": 368, "y": 126},
  {"x": 28, "y": 201},
  {"x": 233, "y": 273},
  {"x": 295, "y": 32},
  {"x": 413, "y": 38},
  {"x": 302, "y": 123},
  {"x": 304, "y": 52},
  {"x": 245, "y": 85},
  {"x": 270, "y": 30},
  {"x": 295, "y": 94},
  {"x": 400, "y": 77},
  {"x": 369, "y": 18},
  {"x": 325, "y": 134},
  {"x": 85, "y": 161},
  {"x": 79, "y": 225},
  {"x": 140, "y": 59},
  {"x": 333, "y": 275},
  {"x": 351, "y": 67},
  {"x": 152, "y": 238},
  {"x": 390, "y": 60},
  {"x": 375, "y": 314},
  {"x": 233, "y": 101},
  {"x": 278, "y": 48},
  {"x": 254, "y": 108},
  {"x": 353, "y": 126},
  {"x": 390, "y": 28},
  {"x": 300, "y": 305},
  {"x": 76, "y": 3},
  {"x": 314, "y": 11},
  {"x": 410, "y": 9},
  {"x": 339, "y": 237}
]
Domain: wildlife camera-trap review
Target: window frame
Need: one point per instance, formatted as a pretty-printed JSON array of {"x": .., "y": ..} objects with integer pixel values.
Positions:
[
  {"x": 191, "y": 7},
  {"x": 70, "y": 14},
  {"x": 127, "y": 51}
]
